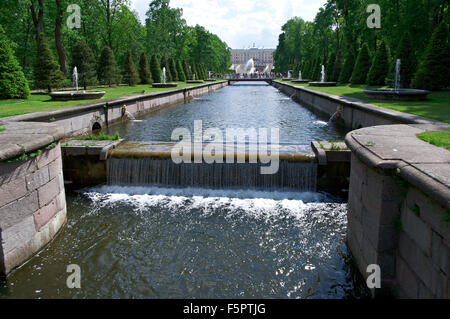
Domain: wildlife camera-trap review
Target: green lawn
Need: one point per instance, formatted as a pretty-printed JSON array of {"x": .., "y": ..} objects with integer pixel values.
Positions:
[
  {"x": 36, "y": 103},
  {"x": 436, "y": 107},
  {"x": 438, "y": 138}
]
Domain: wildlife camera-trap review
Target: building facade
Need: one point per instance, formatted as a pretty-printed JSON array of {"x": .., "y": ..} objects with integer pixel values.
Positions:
[{"x": 252, "y": 60}]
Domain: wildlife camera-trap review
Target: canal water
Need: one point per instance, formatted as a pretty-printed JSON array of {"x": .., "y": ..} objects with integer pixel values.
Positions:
[{"x": 153, "y": 242}]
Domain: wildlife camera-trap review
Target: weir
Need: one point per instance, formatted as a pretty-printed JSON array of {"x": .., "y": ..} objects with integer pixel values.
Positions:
[{"x": 151, "y": 164}]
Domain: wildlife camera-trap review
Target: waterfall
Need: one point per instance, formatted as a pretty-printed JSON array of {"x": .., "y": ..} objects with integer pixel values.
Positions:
[{"x": 300, "y": 176}]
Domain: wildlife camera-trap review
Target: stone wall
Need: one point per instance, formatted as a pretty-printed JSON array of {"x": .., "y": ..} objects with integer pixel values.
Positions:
[
  {"x": 353, "y": 113},
  {"x": 397, "y": 206},
  {"x": 81, "y": 119},
  {"x": 32, "y": 196}
]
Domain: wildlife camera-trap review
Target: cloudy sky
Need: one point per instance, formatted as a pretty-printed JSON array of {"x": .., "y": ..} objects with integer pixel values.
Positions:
[{"x": 240, "y": 23}]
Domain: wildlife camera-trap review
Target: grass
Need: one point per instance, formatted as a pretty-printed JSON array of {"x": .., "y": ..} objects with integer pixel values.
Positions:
[
  {"x": 437, "y": 138},
  {"x": 436, "y": 107},
  {"x": 37, "y": 103},
  {"x": 99, "y": 137},
  {"x": 2, "y": 129}
]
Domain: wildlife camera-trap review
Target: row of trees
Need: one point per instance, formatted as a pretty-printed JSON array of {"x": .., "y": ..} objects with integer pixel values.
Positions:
[
  {"x": 340, "y": 39},
  {"x": 109, "y": 44}
]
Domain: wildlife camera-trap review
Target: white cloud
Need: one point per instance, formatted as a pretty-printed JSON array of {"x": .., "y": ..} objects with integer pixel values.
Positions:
[{"x": 240, "y": 23}]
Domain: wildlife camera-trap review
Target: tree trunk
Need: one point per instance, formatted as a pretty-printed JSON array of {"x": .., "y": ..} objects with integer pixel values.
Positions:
[
  {"x": 58, "y": 37},
  {"x": 108, "y": 18},
  {"x": 38, "y": 18}
]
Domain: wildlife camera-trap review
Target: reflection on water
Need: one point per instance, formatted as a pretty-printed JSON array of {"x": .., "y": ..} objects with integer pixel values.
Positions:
[
  {"x": 236, "y": 106},
  {"x": 133, "y": 242}
]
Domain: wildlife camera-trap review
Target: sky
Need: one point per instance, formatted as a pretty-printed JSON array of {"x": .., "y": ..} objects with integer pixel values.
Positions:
[{"x": 241, "y": 23}]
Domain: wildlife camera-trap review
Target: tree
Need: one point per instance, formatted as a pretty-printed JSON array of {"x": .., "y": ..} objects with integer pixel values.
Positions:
[
  {"x": 337, "y": 67},
  {"x": 13, "y": 84},
  {"x": 362, "y": 66},
  {"x": 83, "y": 59},
  {"x": 181, "y": 75},
  {"x": 130, "y": 74},
  {"x": 155, "y": 69},
  {"x": 433, "y": 72},
  {"x": 330, "y": 67},
  {"x": 107, "y": 67},
  {"x": 380, "y": 66},
  {"x": 347, "y": 69},
  {"x": 173, "y": 70},
  {"x": 187, "y": 70},
  {"x": 47, "y": 73},
  {"x": 145, "y": 74},
  {"x": 405, "y": 53}
]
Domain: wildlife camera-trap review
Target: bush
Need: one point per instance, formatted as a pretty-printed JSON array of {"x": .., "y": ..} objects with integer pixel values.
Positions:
[
  {"x": 380, "y": 66},
  {"x": 405, "y": 53},
  {"x": 165, "y": 64},
  {"x": 83, "y": 58},
  {"x": 337, "y": 67},
  {"x": 13, "y": 84},
  {"x": 347, "y": 69},
  {"x": 362, "y": 66},
  {"x": 47, "y": 74},
  {"x": 434, "y": 69},
  {"x": 181, "y": 75},
  {"x": 173, "y": 70},
  {"x": 155, "y": 69},
  {"x": 329, "y": 70},
  {"x": 144, "y": 70},
  {"x": 107, "y": 67},
  {"x": 130, "y": 74},
  {"x": 187, "y": 70}
]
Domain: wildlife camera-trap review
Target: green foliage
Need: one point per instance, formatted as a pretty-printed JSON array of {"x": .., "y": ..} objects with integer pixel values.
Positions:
[
  {"x": 47, "y": 74},
  {"x": 84, "y": 60},
  {"x": 99, "y": 137},
  {"x": 130, "y": 74},
  {"x": 180, "y": 72},
  {"x": 347, "y": 69},
  {"x": 173, "y": 70},
  {"x": 155, "y": 69},
  {"x": 405, "y": 53},
  {"x": 437, "y": 138},
  {"x": 187, "y": 70},
  {"x": 434, "y": 69},
  {"x": 329, "y": 68},
  {"x": 362, "y": 66},
  {"x": 165, "y": 64},
  {"x": 107, "y": 67},
  {"x": 13, "y": 84},
  {"x": 145, "y": 74},
  {"x": 338, "y": 64},
  {"x": 380, "y": 65}
]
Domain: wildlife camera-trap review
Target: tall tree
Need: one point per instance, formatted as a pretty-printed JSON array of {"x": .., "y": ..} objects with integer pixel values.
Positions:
[
  {"x": 181, "y": 75},
  {"x": 130, "y": 74},
  {"x": 58, "y": 36},
  {"x": 145, "y": 74},
  {"x": 173, "y": 70},
  {"x": 47, "y": 73},
  {"x": 380, "y": 66},
  {"x": 362, "y": 66},
  {"x": 84, "y": 60},
  {"x": 155, "y": 69},
  {"x": 107, "y": 67}
]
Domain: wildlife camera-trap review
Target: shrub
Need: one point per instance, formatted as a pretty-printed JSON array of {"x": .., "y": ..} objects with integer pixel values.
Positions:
[
  {"x": 380, "y": 66},
  {"x": 83, "y": 58},
  {"x": 107, "y": 67},
  {"x": 405, "y": 53},
  {"x": 362, "y": 66},
  {"x": 434, "y": 69},
  {"x": 144, "y": 70},
  {"x": 155, "y": 69},
  {"x": 347, "y": 68},
  {"x": 181, "y": 75},
  {"x": 187, "y": 70},
  {"x": 47, "y": 74},
  {"x": 165, "y": 64},
  {"x": 130, "y": 74},
  {"x": 330, "y": 67},
  {"x": 173, "y": 70},
  {"x": 13, "y": 84},
  {"x": 337, "y": 67}
]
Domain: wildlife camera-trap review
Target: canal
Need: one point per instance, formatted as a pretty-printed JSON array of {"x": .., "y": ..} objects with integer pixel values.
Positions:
[{"x": 155, "y": 242}]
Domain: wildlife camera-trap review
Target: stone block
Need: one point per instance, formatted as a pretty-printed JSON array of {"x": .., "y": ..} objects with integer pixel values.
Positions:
[
  {"x": 12, "y": 191},
  {"x": 44, "y": 214},
  {"x": 14, "y": 170},
  {"x": 371, "y": 227},
  {"x": 17, "y": 234},
  {"x": 17, "y": 211},
  {"x": 406, "y": 279},
  {"x": 37, "y": 179},
  {"x": 419, "y": 263},
  {"x": 440, "y": 253},
  {"x": 54, "y": 168},
  {"x": 49, "y": 156},
  {"x": 49, "y": 191},
  {"x": 416, "y": 228},
  {"x": 438, "y": 284}
]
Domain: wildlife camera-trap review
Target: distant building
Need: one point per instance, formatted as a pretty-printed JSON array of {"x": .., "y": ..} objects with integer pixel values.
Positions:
[{"x": 252, "y": 59}]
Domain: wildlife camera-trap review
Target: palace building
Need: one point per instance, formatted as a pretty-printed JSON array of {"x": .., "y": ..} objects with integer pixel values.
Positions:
[{"x": 252, "y": 59}]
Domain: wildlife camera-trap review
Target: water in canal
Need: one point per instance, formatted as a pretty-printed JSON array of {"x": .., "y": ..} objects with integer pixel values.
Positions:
[{"x": 150, "y": 242}]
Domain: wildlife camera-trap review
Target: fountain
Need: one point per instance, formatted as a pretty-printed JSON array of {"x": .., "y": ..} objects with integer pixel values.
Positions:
[
  {"x": 210, "y": 78},
  {"x": 164, "y": 84},
  {"x": 76, "y": 95},
  {"x": 397, "y": 93},
  {"x": 289, "y": 76},
  {"x": 322, "y": 82},
  {"x": 194, "y": 80},
  {"x": 300, "y": 79}
]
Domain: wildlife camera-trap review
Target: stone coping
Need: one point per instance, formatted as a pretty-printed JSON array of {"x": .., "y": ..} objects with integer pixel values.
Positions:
[
  {"x": 70, "y": 110},
  {"x": 398, "y": 116},
  {"x": 19, "y": 138},
  {"x": 74, "y": 147},
  {"x": 396, "y": 148}
]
